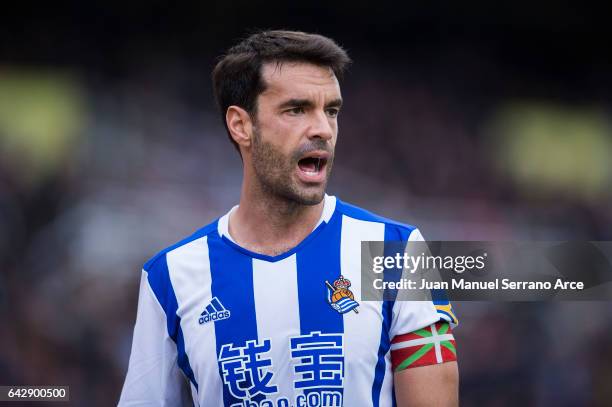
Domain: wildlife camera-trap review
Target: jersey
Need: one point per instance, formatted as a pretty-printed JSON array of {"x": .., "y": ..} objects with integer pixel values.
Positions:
[{"x": 219, "y": 325}]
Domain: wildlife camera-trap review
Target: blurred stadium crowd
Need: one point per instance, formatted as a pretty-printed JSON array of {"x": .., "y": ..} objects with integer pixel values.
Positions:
[{"x": 106, "y": 158}]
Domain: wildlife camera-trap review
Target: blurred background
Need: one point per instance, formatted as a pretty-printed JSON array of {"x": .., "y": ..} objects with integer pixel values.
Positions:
[{"x": 474, "y": 122}]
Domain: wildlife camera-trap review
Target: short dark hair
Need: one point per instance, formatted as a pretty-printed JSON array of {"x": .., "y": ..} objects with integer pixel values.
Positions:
[{"x": 237, "y": 76}]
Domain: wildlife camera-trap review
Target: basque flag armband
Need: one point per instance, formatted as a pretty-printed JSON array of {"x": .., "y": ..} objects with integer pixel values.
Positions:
[{"x": 427, "y": 346}]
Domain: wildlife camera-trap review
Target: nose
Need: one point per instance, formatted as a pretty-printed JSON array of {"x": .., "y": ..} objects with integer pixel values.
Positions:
[{"x": 320, "y": 127}]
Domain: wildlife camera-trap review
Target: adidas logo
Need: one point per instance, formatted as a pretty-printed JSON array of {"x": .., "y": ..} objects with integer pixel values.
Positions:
[{"x": 215, "y": 311}]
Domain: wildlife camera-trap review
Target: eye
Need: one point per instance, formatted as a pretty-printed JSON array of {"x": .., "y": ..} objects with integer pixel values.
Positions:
[
  {"x": 296, "y": 110},
  {"x": 333, "y": 112}
]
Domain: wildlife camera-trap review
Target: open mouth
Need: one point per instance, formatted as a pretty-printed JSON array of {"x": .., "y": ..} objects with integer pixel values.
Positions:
[
  {"x": 311, "y": 168},
  {"x": 312, "y": 165}
]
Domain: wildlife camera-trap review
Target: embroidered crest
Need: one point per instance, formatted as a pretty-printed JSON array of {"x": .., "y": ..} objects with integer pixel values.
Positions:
[{"x": 340, "y": 297}]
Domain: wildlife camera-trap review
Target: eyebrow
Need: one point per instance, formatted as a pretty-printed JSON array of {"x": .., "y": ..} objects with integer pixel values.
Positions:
[{"x": 306, "y": 103}]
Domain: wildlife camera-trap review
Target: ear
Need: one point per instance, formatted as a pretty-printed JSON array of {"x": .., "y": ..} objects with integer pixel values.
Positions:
[{"x": 240, "y": 125}]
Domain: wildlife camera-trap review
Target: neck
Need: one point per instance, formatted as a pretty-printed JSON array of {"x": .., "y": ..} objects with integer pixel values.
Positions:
[{"x": 270, "y": 224}]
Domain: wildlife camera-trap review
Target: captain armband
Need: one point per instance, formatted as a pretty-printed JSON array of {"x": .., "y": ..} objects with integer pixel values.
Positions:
[{"x": 427, "y": 346}]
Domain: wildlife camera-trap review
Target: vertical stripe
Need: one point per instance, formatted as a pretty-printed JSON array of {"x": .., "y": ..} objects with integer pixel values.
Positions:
[
  {"x": 383, "y": 376},
  {"x": 317, "y": 262},
  {"x": 360, "y": 344},
  {"x": 159, "y": 281},
  {"x": 395, "y": 238},
  {"x": 190, "y": 275},
  {"x": 278, "y": 319},
  {"x": 232, "y": 283}
]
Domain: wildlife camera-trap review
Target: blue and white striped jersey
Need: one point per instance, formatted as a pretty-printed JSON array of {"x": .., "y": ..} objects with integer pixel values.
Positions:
[{"x": 218, "y": 325}]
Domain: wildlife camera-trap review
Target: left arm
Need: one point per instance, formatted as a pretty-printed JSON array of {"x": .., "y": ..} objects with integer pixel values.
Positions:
[{"x": 423, "y": 354}]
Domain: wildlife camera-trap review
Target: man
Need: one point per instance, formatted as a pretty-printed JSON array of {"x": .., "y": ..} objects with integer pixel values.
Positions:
[{"x": 262, "y": 307}]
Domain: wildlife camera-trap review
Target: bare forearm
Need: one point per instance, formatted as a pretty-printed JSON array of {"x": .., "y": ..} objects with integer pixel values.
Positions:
[{"x": 433, "y": 385}]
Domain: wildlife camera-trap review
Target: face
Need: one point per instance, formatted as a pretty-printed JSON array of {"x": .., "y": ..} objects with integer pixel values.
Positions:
[{"x": 295, "y": 131}]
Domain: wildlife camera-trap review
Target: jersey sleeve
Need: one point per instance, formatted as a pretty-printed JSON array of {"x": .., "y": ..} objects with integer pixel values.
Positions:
[
  {"x": 421, "y": 331},
  {"x": 153, "y": 377}
]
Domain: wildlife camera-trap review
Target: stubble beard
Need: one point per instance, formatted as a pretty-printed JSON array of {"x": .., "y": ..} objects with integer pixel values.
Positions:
[{"x": 274, "y": 172}]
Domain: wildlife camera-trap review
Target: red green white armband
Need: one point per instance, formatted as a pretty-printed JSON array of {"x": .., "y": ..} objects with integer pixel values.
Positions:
[{"x": 427, "y": 346}]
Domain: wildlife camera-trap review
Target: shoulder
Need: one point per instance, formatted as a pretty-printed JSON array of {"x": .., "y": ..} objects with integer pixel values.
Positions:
[
  {"x": 158, "y": 262},
  {"x": 394, "y": 230}
]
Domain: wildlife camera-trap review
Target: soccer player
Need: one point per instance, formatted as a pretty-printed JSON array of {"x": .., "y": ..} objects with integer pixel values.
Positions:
[{"x": 263, "y": 306}]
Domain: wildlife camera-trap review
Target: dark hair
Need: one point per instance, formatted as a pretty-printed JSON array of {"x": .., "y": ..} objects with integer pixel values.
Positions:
[{"x": 237, "y": 76}]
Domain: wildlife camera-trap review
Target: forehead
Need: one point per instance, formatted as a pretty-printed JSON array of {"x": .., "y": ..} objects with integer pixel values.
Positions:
[{"x": 298, "y": 79}]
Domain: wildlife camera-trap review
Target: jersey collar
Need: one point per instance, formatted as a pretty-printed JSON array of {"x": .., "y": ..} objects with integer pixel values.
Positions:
[{"x": 329, "y": 206}]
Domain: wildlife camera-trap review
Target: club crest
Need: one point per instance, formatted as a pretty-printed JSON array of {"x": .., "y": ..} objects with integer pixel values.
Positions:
[{"x": 340, "y": 297}]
